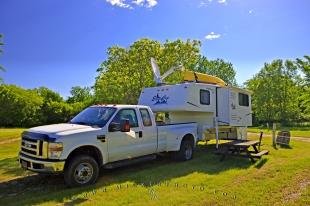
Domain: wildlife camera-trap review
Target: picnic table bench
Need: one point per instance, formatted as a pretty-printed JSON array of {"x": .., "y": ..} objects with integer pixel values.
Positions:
[{"x": 242, "y": 148}]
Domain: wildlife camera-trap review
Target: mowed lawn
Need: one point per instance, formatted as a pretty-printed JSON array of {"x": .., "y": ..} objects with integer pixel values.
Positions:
[{"x": 280, "y": 178}]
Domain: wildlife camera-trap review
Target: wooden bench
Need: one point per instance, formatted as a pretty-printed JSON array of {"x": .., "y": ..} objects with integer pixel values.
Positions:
[
  {"x": 241, "y": 148},
  {"x": 260, "y": 154}
]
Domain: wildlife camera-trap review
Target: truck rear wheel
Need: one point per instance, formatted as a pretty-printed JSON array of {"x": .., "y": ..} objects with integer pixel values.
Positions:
[
  {"x": 81, "y": 170},
  {"x": 186, "y": 151}
]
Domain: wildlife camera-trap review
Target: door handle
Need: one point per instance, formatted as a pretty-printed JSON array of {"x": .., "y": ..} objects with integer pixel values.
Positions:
[
  {"x": 101, "y": 138},
  {"x": 140, "y": 134}
]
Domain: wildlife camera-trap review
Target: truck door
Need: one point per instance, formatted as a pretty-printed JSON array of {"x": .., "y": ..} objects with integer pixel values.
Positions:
[
  {"x": 124, "y": 145},
  {"x": 149, "y": 136}
]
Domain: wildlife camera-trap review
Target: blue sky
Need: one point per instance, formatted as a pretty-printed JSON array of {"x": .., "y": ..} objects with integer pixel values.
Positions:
[{"x": 59, "y": 44}]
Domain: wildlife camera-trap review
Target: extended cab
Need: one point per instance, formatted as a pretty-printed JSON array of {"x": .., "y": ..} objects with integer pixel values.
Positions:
[{"x": 103, "y": 135}]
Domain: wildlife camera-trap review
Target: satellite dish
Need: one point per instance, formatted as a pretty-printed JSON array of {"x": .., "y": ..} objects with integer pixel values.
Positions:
[
  {"x": 157, "y": 77},
  {"x": 156, "y": 72},
  {"x": 171, "y": 70}
]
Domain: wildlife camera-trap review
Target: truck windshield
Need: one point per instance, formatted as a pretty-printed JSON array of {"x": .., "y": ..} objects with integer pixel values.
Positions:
[{"x": 94, "y": 116}]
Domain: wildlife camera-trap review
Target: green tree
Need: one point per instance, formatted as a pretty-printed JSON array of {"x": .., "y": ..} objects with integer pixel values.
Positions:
[
  {"x": 19, "y": 107},
  {"x": 304, "y": 66},
  {"x": 218, "y": 68},
  {"x": 127, "y": 70},
  {"x": 80, "y": 94},
  {"x": 25, "y": 108},
  {"x": 275, "y": 92},
  {"x": 57, "y": 112},
  {"x": 48, "y": 94},
  {"x": 52, "y": 107}
]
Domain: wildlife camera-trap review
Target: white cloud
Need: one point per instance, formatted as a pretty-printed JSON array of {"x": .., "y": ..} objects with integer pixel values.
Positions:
[
  {"x": 251, "y": 11},
  {"x": 151, "y": 3},
  {"x": 138, "y": 2},
  {"x": 130, "y": 4},
  {"x": 212, "y": 36},
  {"x": 222, "y": 1},
  {"x": 205, "y": 3},
  {"x": 119, "y": 3}
]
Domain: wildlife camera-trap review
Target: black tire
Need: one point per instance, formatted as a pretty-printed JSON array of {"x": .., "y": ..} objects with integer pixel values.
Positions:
[
  {"x": 186, "y": 151},
  {"x": 81, "y": 170}
]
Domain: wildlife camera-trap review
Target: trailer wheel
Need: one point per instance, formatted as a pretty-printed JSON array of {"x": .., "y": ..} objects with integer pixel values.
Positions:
[
  {"x": 81, "y": 170},
  {"x": 186, "y": 151}
]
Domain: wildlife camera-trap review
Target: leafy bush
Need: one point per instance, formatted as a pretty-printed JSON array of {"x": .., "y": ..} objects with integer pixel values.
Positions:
[
  {"x": 19, "y": 107},
  {"x": 25, "y": 108}
]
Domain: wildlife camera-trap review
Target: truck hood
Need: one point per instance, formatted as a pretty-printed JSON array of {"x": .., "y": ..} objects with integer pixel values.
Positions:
[{"x": 62, "y": 129}]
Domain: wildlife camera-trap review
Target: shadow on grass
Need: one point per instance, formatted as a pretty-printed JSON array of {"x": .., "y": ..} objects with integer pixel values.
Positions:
[
  {"x": 38, "y": 189},
  {"x": 260, "y": 163},
  {"x": 282, "y": 146},
  {"x": 11, "y": 167}
]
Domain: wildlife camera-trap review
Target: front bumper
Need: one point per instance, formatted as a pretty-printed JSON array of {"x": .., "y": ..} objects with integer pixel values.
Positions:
[{"x": 41, "y": 166}]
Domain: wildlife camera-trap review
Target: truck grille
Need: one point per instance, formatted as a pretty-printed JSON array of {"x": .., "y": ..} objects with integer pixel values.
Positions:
[{"x": 32, "y": 147}]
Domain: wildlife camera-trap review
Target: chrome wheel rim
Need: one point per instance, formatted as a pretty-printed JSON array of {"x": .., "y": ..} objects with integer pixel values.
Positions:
[
  {"x": 83, "y": 173},
  {"x": 188, "y": 152}
]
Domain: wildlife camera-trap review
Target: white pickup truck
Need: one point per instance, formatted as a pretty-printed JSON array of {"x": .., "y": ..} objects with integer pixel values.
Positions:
[{"x": 103, "y": 135}]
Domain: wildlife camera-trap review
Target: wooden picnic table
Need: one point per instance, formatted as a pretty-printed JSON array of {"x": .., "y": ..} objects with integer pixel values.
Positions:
[{"x": 242, "y": 148}]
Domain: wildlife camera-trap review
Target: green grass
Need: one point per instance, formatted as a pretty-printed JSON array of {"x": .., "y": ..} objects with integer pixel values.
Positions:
[
  {"x": 295, "y": 131},
  {"x": 9, "y": 147},
  {"x": 280, "y": 178},
  {"x": 9, "y": 134}
]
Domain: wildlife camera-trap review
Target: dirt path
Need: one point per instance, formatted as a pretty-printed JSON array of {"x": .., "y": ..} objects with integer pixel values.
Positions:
[{"x": 303, "y": 139}]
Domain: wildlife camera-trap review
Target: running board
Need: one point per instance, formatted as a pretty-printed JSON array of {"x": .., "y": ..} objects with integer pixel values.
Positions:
[{"x": 126, "y": 162}]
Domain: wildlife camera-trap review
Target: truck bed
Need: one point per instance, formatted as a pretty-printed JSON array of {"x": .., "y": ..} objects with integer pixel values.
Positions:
[{"x": 170, "y": 135}]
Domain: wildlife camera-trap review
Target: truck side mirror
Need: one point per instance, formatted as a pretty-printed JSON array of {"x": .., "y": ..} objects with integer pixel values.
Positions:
[
  {"x": 125, "y": 125},
  {"x": 114, "y": 127}
]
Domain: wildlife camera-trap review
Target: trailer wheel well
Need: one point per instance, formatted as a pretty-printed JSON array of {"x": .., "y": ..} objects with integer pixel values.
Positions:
[
  {"x": 87, "y": 150},
  {"x": 189, "y": 137}
]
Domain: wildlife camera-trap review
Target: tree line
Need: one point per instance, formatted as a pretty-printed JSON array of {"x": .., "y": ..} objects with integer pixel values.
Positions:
[
  {"x": 30, "y": 107},
  {"x": 281, "y": 89}
]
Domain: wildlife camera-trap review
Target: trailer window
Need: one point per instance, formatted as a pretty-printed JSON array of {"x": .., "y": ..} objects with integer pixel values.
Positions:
[
  {"x": 243, "y": 99},
  {"x": 146, "y": 118},
  {"x": 205, "y": 97}
]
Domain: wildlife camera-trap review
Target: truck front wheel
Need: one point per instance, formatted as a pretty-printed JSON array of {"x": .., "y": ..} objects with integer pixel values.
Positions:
[
  {"x": 186, "y": 151},
  {"x": 81, "y": 170}
]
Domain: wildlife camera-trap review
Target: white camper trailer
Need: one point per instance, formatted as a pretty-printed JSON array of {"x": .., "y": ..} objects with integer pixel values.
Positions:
[{"x": 222, "y": 112}]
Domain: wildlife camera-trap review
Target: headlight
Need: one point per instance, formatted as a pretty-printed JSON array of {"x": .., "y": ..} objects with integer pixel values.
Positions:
[{"x": 54, "y": 150}]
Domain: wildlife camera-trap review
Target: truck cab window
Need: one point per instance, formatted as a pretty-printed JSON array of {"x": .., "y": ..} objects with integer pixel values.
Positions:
[
  {"x": 243, "y": 99},
  {"x": 129, "y": 114},
  {"x": 146, "y": 118},
  {"x": 205, "y": 97}
]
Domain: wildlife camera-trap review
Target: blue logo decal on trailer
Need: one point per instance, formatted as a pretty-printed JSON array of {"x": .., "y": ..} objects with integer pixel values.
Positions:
[{"x": 160, "y": 100}]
